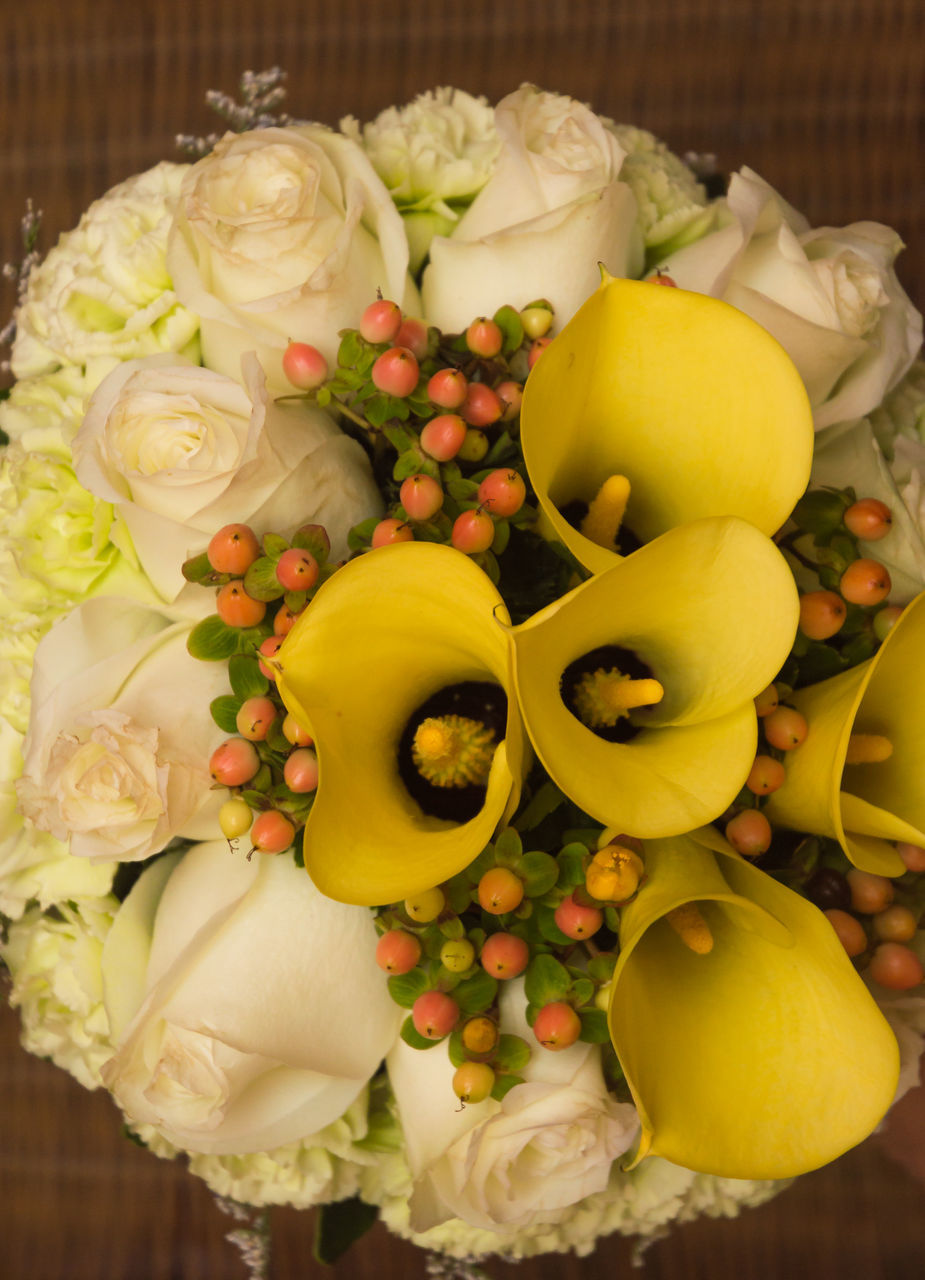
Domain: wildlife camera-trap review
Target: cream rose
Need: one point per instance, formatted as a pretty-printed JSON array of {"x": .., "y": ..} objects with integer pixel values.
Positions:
[
  {"x": 284, "y": 234},
  {"x": 181, "y": 451},
  {"x": 830, "y": 296},
  {"x": 246, "y": 1008},
  {"x": 502, "y": 1166},
  {"x": 116, "y": 758},
  {"x": 553, "y": 209}
]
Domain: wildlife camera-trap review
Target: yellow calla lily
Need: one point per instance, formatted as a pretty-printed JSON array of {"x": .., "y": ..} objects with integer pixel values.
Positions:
[
  {"x": 863, "y": 806},
  {"x": 711, "y": 609},
  {"x": 382, "y": 636},
  {"x": 761, "y": 1055},
  {"x": 685, "y": 397}
]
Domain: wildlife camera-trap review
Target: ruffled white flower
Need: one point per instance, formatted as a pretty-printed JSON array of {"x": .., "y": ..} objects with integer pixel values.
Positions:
[
  {"x": 43, "y": 413},
  {"x": 55, "y": 963},
  {"x": 903, "y": 411},
  {"x": 104, "y": 292},
  {"x": 672, "y": 204}
]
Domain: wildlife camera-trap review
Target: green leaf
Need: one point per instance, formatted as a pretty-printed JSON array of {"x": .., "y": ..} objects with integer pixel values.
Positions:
[
  {"x": 212, "y": 640},
  {"x": 225, "y": 711},
  {"x": 462, "y": 490},
  {"x": 358, "y": 539},
  {"x": 245, "y": 677},
  {"x": 539, "y": 871},
  {"x": 197, "y": 568},
  {"x": 512, "y": 1054},
  {"x": 455, "y": 1050},
  {"x": 582, "y": 991},
  {"x": 400, "y": 438},
  {"x": 453, "y": 928},
  {"x": 601, "y": 967},
  {"x": 295, "y": 601},
  {"x": 542, "y": 803},
  {"x": 502, "y": 537},
  {"x": 404, "y": 988},
  {"x": 261, "y": 581},
  {"x": 509, "y": 322},
  {"x": 546, "y": 923},
  {"x": 323, "y": 397},
  {"x": 339, "y": 1225},
  {"x": 412, "y": 1036},
  {"x": 274, "y": 545},
  {"x": 571, "y": 861},
  {"x": 476, "y": 994},
  {"x": 546, "y": 980},
  {"x": 508, "y": 848},
  {"x": 314, "y": 539},
  {"x": 820, "y": 511},
  {"x": 350, "y": 350},
  {"x": 410, "y": 463},
  {"x": 503, "y": 1085},
  {"x": 594, "y": 1029}
]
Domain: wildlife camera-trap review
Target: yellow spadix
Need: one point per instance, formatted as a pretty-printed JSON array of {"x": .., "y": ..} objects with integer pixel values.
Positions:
[
  {"x": 688, "y": 399},
  {"x": 863, "y": 806},
  {"x": 761, "y": 1056},
  {"x": 383, "y": 635},
  {"x": 711, "y": 608}
]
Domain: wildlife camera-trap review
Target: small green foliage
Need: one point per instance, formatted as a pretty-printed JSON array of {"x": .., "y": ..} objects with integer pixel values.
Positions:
[
  {"x": 245, "y": 677},
  {"x": 404, "y": 988},
  {"x": 476, "y": 994},
  {"x": 224, "y": 712},
  {"x": 412, "y": 1036},
  {"x": 546, "y": 980},
  {"x": 503, "y": 1086},
  {"x": 594, "y": 1029},
  {"x": 539, "y": 872},
  {"x": 261, "y": 581},
  {"x": 212, "y": 640},
  {"x": 512, "y": 1054},
  {"x": 509, "y": 322}
]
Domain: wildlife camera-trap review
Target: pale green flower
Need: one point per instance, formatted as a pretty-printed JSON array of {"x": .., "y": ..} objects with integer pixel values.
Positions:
[
  {"x": 57, "y": 983},
  {"x": 104, "y": 291},
  {"x": 673, "y": 209},
  {"x": 43, "y": 413},
  {"x": 902, "y": 413}
]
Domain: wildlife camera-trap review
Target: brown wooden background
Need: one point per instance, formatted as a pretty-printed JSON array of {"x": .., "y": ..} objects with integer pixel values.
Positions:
[{"x": 823, "y": 97}]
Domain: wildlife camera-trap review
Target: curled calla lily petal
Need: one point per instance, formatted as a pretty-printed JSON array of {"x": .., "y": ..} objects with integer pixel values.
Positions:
[
  {"x": 382, "y": 636},
  {"x": 763, "y": 1057},
  {"x": 863, "y": 806},
  {"x": 690, "y": 400},
  {"x": 711, "y": 609}
]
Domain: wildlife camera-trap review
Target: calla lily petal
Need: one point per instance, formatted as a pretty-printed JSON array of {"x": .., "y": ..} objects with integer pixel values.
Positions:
[
  {"x": 687, "y": 397},
  {"x": 711, "y": 608},
  {"x": 866, "y": 806},
  {"x": 764, "y": 1058},
  {"x": 384, "y": 634}
]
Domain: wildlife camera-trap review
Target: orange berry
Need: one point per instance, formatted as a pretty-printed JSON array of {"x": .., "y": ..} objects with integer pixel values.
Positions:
[
  {"x": 913, "y": 855},
  {"x": 869, "y": 893},
  {"x": 865, "y": 582},
  {"x": 869, "y": 519},
  {"x": 236, "y": 608},
  {"x": 480, "y": 1034},
  {"x": 849, "y": 929},
  {"x": 500, "y": 891},
  {"x": 233, "y": 549},
  {"x": 557, "y": 1025},
  {"x": 895, "y": 924},
  {"x": 749, "y": 833},
  {"x": 473, "y": 1081},
  {"x": 765, "y": 776},
  {"x": 896, "y": 967},
  {"x": 766, "y": 702},
  {"x": 785, "y": 728},
  {"x": 821, "y": 614},
  {"x": 504, "y": 955},
  {"x": 397, "y": 951}
]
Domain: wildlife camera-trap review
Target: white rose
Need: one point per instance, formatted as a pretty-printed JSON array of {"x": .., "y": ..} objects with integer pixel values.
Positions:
[
  {"x": 830, "y": 296},
  {"x": 553, "y": 209},
  {"x": 181, "y": 451},
  {"x": 501, "y": 1166},
  {"x": 120, "y": 735},
  {"x": 247, "y": 1009},
  {"x": 284, "y": 234}
]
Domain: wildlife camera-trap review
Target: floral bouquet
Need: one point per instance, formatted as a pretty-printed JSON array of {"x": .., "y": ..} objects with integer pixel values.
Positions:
[{"x": 461, "y": 695}]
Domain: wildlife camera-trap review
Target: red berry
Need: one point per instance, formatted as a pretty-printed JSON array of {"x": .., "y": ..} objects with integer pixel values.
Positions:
[
  {"x": 481, "y": 406},
  {"x": 397, "y": 951},
  {"x": 236, "y": 608},
  {"x": 869, "y": 519},
  {"x": 785, "y": 728},
  {"x": 413, "y": 335},
  {"x": 503, "y": 492},
  {"x": 821, "y": 614},
  {"x": 447, "y": 388},
  {"x": 300, "y": 772},
  {"x": 294, "y": 732},
  {"x": 396, "y": 372},
  {"x": 434, "y": 1015},
  {"x": 421, "y": 496},
  {"x": 536, "y": 350},
  {"x": 380, "y": 321},
  {"x": 304, "y": 366},
  {"x": 865, "y": 582},
  {"x": 578, "y": 921},
  {"x": 849, "y": 929},
  {"x": 269, "y": 648},
  {"x": 870, "y": 893},
  {"x": 473, "y": 531},
  {"x": 442, "y": 437},
  {"x": 285, "y": 620},
  {"x": 234, "y": 762},
  {"x": 233, "y": 549},
  {"x": 272, "y": 832},
  {"x": 511, "y": 395},
  {"x": 504, "y": 955},
  {"x": 663, "y": 278},
  {"x": 500, "y": 891},
  {"x": 484, "y": 337},
  {"x": 749, "y": 832},
  {"x": 766, "y": 701},
  {"x": 557, "y": 1025},
  {"x": 896, "y": 967},
  {"x": 390, "y": 530},
  {"x": 297, "y": 570},
  {"x": 255, "y": 717}
]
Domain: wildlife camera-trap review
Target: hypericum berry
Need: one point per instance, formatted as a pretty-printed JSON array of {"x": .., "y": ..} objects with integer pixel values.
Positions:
[
  {"x": 536, "y": 321},
  {"x": 479, "y": 1034},
  {"x": 434, "y": 1015},
  {"x": 826, "y": 888},
  {"x": 442, "y": 437},
  {"x": 869, "y": 519},
  {"x": 233, "y": 549},
  {"x": 421, "y": 496},
  {"x": 297, "y": 570},
  {"x": 447, "y": 388},
  {"x": 895, "y": 924},
  {"x": 234, "y": 762},
  {"x": 426, "y": 905},
  {"x": 785, "y": 728},
  {"x": 511, "y": 395},
  {"x": 822, "y": 614},
  {"x": 294, "y": 732},
  {"x": 500, "y": 891},
  {"x": 474, "y": 446},
  {"x": 896, "y": 967},
  {"x": 503, "y": 492},
  {"x": 300, "y": 772},
  {"x": 397, "y": 951},
  {"x": 885, "y": 620},
  {"x": 577, "y": 921},
  {"x": 663, "y": 278},
  {"x": 913, "y": 855},
  {"x": 557, "y": 1025},
  {"x": 766, "y": 701},
  {"x": 236, "y": 608},
  {"x": 304, "y": 366},
  {"x": 413, "y": 335},
  {"x": 390, "y": 530},
  {"x": 766, "y": 775},
  {"x": 272, "y": 832},
  {"x": 602, "y": 996},
  {"x": 749, "y": 833},
  {"x": 269, "y": 648},
  {"x": 504, "y": 955},
  {"x": 473, "y": 1081},
  {"x": 536, "y": 350},
  {"x": 472, "y": 532},
  {"x": 254, "y": 718},
  {"x": 865, "y": 582},
  {"x": 849, "y": 929},
  {"x": 396, "y": 372},
  {"x": 381, "y": 321},
  {"x": 457, "y": 954},
  {"x": 870, "y": 893},
  {"x": 481, "y": 406},
  {"x": 484, "y": 337},
  {"x": 235, "y": 817},
  {"x": 284, "y": 620}
]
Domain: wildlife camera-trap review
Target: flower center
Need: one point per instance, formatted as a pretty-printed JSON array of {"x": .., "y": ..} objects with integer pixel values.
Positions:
[
  {"x": 453, "y": 751},
  {"x": 603, "y": 688},
  {"x": 601, "y": 519},
  {"x": 691, "y": 927}
]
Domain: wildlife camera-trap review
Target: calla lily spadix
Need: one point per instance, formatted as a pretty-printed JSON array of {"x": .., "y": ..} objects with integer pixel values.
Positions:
[
  {"x": 760, "y": 1055},
  {"x": 863, "y": 806},
  {"x": 684, "y": 397},
  {"x": 711, "y": 609},
  {"x": 383, "y": 635}
]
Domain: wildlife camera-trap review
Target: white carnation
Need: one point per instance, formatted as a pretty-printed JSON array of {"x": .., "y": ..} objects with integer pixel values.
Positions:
[{"x": 673, "y": 208}]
